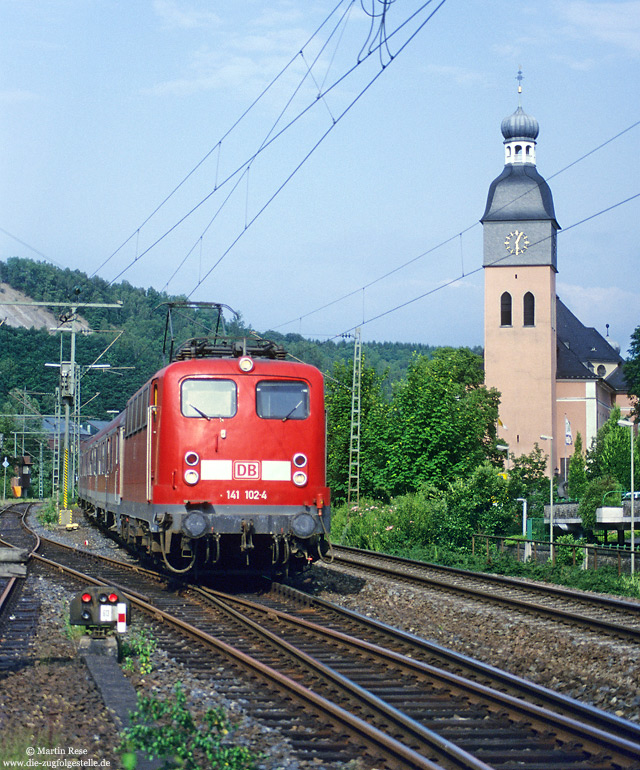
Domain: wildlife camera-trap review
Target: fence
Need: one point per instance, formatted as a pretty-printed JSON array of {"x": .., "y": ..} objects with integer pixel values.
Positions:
[{"x": 592, "y": 556}]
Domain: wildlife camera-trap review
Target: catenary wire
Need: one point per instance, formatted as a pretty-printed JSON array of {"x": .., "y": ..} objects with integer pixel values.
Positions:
[
  {"x": 32, "y": 248},
  {"x": 450, "y": 282},
  {"x": 317, "y": 144},
  {"x": 303, "y": 112},
  {"x": 460, "y": 234},
  {"x": 224, "y": 136},
  {"x": 242, "y": 167},
  {"x": 339, "y": 23}
]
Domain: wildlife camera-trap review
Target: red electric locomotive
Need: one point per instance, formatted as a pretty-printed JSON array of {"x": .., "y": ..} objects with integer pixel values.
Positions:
[{"x": 217, "y": 462}]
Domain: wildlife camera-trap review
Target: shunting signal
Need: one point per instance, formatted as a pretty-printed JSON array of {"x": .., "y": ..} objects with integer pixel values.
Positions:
[{"x": 100, "y": 607}]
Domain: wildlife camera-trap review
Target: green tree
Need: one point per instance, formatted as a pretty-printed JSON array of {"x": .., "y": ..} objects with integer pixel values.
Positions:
[
  {"x": 528, "y": 480},
  {"x": 479, "y": 503},
  {"x": 442, "y": 422},
  {"x": 595, "y": 495},
  {"x": 610, "y": 454},
  {"x": 577, "y": 470},
  {"x": 8, "y": 426},
  {"x": 372, "y": 416}
]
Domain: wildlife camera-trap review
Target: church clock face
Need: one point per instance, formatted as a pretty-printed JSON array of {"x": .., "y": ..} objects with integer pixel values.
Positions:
[{"x": 516, "y": 242}]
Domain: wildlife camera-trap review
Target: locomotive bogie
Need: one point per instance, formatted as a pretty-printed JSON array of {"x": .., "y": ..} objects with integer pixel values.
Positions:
[{"x": 216, "y": 463}]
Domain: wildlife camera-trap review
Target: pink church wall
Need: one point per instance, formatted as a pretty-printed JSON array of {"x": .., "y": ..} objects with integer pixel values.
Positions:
[
  {"x": 573, "y": 404},
  {"x": 520, "y": 361},
  {"x": 626, "y": 404}
]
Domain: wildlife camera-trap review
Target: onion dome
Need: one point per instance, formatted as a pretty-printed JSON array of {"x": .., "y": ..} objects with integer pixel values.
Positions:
[
  {"x": 519, "y": 193},
  {"x": 519, "y": 125}
]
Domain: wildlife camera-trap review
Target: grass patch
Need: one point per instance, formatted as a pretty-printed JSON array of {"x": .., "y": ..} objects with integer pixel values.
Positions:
[{"x": 13, "y": 747}]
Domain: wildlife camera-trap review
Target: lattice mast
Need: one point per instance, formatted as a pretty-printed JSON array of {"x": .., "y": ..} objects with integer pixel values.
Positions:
[{"x": 354, "y": 441}]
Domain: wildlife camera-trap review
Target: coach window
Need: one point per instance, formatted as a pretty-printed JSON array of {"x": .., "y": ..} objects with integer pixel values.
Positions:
[
  {"x": 144, "y": 407},
  {"x": 282, "y": 400},
  {"x": 209, "y": 398}
]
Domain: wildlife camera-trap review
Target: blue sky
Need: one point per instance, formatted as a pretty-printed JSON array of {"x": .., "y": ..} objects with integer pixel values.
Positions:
[{"x": 106, "y": 107}]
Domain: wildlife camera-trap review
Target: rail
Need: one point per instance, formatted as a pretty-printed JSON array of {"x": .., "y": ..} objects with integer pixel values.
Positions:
[{"x": 592, "y": 555}]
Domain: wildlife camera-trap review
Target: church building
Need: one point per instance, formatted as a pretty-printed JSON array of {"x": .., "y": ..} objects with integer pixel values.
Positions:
[{"x": 557, "y": 377}]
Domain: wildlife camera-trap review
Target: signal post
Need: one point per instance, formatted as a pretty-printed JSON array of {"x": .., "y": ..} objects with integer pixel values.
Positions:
[{"x": 67, "y": 391}]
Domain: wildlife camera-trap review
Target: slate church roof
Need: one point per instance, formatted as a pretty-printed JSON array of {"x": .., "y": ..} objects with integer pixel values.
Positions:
[
  {"x": 583, "y": 353},
  {"x": 519, "y": 193}
]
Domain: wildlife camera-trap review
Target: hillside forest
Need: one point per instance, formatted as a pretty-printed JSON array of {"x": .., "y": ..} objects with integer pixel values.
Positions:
[
  {"x": 138, "y": 352},
  {"x": 430, "y": 468}
]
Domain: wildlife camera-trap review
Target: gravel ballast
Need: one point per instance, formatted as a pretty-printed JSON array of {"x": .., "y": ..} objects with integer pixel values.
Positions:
[{"x": 54, "y": 696}]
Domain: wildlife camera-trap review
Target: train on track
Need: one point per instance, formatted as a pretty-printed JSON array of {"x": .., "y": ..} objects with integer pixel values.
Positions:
[{"x": 217, "y": 463}]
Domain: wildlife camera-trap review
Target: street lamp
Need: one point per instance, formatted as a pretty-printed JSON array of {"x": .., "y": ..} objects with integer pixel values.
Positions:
[
  {"x": 550, "y": 439},
  {"x": 629, "y": 424}
]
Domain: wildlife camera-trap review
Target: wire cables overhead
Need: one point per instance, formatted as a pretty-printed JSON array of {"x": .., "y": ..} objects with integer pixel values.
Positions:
[
  {"x": 403, "y": 34},
  {"x": 452, "y": 281},
  {"x": 217, "y": 146},
  {"x": 448, "y": 240}
]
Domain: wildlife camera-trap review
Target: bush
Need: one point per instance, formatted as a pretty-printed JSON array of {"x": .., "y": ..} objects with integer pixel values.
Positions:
[
  {"x": 47, "y": 515},
  {"x": 166, "y": 728},
  {"x": 593, "y": 497},
  {"x": 409, "y": 521},
  {"x": 564, "y": 556},
  {"x": 142, "y": 645},
  {"x": 369, "y": 525},
  {"x": 428, "y": 517}
]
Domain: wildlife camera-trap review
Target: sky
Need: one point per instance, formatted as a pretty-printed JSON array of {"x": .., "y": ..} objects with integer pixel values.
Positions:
[{"x": 318, "y": 169}]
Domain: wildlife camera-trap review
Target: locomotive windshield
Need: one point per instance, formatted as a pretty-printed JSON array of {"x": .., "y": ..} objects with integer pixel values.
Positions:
[
  {"x": 208, "y": 398},
  {"x": 282, "y": 400}
]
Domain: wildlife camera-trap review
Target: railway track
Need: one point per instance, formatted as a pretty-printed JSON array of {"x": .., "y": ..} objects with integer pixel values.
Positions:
[
  {"x": 379, "y": 699},
  {"x": 18, "y": 606},
  {"x": 343, "y": 620},
  {"x": 594, "y": 612}
]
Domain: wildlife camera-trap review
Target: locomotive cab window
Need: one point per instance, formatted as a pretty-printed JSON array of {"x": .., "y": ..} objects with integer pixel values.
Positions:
[
  {"x": 282, "y": 400},
  {"x": 209, "y": 398}
]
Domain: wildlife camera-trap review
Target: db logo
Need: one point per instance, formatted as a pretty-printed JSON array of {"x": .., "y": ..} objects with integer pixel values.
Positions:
[{"x": 247, "y": 469}]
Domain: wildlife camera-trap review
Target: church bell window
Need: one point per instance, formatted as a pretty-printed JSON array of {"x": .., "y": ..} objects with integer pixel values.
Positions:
[
  {"x": 529, "y": 309},
  {"x": 505, "y": 309}
]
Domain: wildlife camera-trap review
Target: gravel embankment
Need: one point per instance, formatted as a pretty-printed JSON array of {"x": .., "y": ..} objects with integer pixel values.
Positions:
[
  {"x": 53, "y": 701},
  {"x": 55, "y": 696},
  {"x": 603, "y": 672}
]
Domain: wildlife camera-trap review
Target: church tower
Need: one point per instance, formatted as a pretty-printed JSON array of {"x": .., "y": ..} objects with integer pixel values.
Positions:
[{"x": 519, "y": 260}]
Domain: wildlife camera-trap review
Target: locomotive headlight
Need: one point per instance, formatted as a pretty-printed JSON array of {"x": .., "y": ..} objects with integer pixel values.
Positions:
[
  {"x": 192, "y": 458},
  {"x": 299, "y": 478},
  {"x": 299, "y": 460},
  {"x": 191, "y": 476},
  {"x": 245, "y": 364}
]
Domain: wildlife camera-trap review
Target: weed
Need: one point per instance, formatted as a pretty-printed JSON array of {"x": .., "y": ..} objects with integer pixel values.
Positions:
[
  {"x": 47, "y": 515},
  {"x": 141, "y": 644},
  {"x": 167, "y": 729}
]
